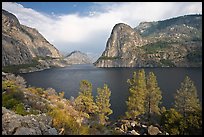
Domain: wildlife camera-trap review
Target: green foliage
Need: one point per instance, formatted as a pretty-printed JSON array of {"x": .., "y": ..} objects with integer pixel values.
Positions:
[
  {"x": 85, "y": 102},
  {"x": 175, "y": 123},
  {"x": 63, "y": 120},
  {"x": 60, "y": 105},
  {"x": 43, "y": 58},
  {"x": 9, "y": 84},
  {"x": 190, "y": 20},
  {"x": 167, "y": 62},
  {"x": 154, "y": 47},
  {"x": 11, "y": 96},
  {"x": 137, "y": 90},
  {"x": 36, "y": 91},
  {"x": 171, "y": 121},
  {"x": 187, "y": 103},
  {"x": 195, "y": 56},
  {"x": 103, "y": 103},
  {"x": 19, "y": 109},
  {"x": 153, "y": 96},
  {"x": 186, "y": 118},
  {"x": 186, "y": 98},
  {"x": 108, "y": 58},
  {"x": 16, "y": 68},
  {"x": 33, "y": 111},
  {"x": 194, "y": 123},
  {"x": 9, "y": 102}
]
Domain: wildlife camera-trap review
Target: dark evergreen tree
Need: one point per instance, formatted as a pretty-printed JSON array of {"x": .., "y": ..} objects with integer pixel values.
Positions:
[
  {"x": 137, "y": 90},
  {"x": 153, "y": 97}
]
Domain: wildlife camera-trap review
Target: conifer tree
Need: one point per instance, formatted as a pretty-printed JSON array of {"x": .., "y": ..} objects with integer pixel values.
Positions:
[
  {"x": 85, "y": 101},
  {"x": 186, "y": 98},
  {"x": 137, "y": 90},
  {"x": 187, "y": 103},
  {"x": 153, "y": 96},
  {"x": 103, "y": 103}
]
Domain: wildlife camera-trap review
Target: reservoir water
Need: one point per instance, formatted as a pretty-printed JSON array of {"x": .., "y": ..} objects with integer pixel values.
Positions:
[{"x": 68, "y": 79}]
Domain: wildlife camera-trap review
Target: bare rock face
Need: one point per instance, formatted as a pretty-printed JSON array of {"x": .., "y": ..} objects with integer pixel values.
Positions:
[
  {"x": 20, "y": 44},
  {"x": 14, "y": 124},
  {"x": 175, "y": 42},
  {"x": 122, "y": 38},
  {"x": 77, "y": 57},
  {"x": 118, "y": 52}
]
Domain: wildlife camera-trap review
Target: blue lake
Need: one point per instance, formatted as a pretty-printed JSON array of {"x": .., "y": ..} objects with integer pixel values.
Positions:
[{"x": 68, "y": 79}]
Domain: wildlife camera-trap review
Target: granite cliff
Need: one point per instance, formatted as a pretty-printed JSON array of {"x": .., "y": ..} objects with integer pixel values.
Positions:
[
  {"x": 24, "y": 49},
  {"x": 23, "y": 42},
  {"x": 175, "y": 42}
]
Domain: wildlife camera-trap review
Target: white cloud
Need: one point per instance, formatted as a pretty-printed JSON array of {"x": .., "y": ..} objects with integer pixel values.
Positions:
[{"x": 90, "y": 33}]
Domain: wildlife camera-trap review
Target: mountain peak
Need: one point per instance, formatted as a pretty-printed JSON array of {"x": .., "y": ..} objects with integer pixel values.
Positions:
[
  {"x": 121, "y": 26},
  {"x": 9, "y": 20},
  {"x": 77, "y": 57},
  {"x": 167, "y": 43}
]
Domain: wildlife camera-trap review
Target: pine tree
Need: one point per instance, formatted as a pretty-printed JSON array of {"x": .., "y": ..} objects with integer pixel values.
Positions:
[
  {"x": 103, "y": 103},
  {"x": 137, "y": 90},
  {"x": 85, "y": 101},
  {"x": 153, "y": 96},
  {"x": 187, "y": 103},
  {"x": 186, "y": 98}
]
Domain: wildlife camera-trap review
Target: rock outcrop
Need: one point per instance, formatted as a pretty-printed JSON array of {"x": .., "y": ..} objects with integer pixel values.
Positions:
[
  {"x": 21, "y": 44},
  {"x": 175, "y": 42},
  {"x": 14, "y": 124},
  {"x": 77, "y": 57},
  {"x": 131, "y": 127}
]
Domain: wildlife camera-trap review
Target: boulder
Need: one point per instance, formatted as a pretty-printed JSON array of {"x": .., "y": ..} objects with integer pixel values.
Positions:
[
  {"x": 153, "y": 130},
  {"x": 133, "y": 132}
]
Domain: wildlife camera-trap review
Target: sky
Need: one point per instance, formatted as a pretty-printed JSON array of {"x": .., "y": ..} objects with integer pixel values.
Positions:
[{"x": 86, "y": 26}]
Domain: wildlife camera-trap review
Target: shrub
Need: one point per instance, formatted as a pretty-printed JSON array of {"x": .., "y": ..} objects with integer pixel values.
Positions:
[
  {"x": 171, "y": 120},
  {"x": 9, "y": 103},
  {"x": 12, "y": 97},
  {"x": 19, "y": 109},
  {"x": 8, "y": 84},
  {"x": 62, "y": 119}
]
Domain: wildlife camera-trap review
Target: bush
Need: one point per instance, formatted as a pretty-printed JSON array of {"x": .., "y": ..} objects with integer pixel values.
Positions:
[
  {"x": 171, "y": 120},
  {"x": 9, "y": 103},
  {"x": 19, "y": 109},
  {"x": 62, "y": 119},
  {"x": 8, "y": 84},
  {"x": 12, "y": 96}
]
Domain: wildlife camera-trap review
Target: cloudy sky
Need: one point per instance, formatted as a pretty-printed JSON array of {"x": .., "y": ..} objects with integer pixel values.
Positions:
[{"x": 86, "y": 26}]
